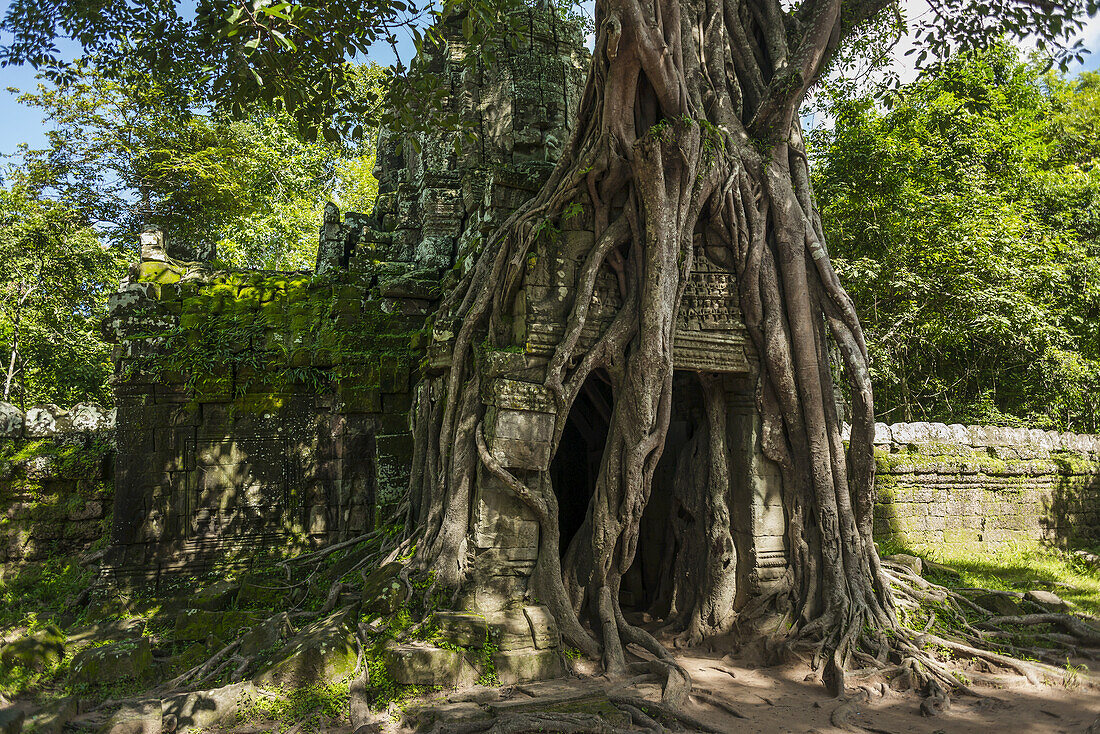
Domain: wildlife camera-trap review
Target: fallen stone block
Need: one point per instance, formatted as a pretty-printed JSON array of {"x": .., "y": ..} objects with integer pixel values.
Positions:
[
  {"x": 423, "y": 718},
  {"x": 204, "y": 709},
  {"x": 36, "y": 651},
  {"x": 517, "y": 666},
  {"x": 905, "y": 560},
  {"x": 382, "y": 592},
  {"x": 999, "y": 604},
  {"x": 262, "y": 594},
  {"x": 116, "y": 661},
  {"x": 587, "y": 701},
  {"x": 1047, "y": 600},
  {"x": 11, "y": 421},
  {"x": 418, "y": 663},
  {"x": 196, "y": 625},
  {"x": 11, "y": 720},
  {"x": 265, "y": 636},
  {"x": 54, "y": 716},
  {"x": 214, "y": 598},
  {"x": 123, "y": 629},
  {"x": 140, "y": 717},
  {"x": 324, "y": 652}
]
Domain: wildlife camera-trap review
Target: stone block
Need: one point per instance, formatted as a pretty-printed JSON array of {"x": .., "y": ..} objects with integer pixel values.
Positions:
[
  {"x": 196, "y": 625},
  {"x": 41, "y": 421},
  {"x": 88, "y": 417},
  {"x": 905, "y": 433},
  {"x": 11, "y": 720},
  {"x": 264, "y": 594},
  {"x": 494, "y": 593},
  {"x": 135, "y": 717},
  {"x": 501, "y": 521},
  {"x": 998, "y": 603},
  {"x": 544, "y": 630},
  {"x": 1047, "y": 600},
  {"x": 117, "y": 661},
  {"x": 324, "y": 652},
  {"x": 423, "y": 718},
  {"x": 52, "y": 718},
  {"x": 523, "y": 425},
  {"x": 206, "y": 709},
  {"x": 513, "y": 453},
  {"x": 213, "y": 598},
  {"x": 519, "y": 395},
  {"x": 517, "y": 666},
  {"x": 36, "y": 651},
  {"x": 418, "y": 663},
  {"x": 466, "y": 629},
  {"x": 11, "y": 421}
]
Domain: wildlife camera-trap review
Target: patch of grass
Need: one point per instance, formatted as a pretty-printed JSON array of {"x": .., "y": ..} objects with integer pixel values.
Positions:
[
  {"x": 314, "y": 707},
  {"x": 1016, "y": 568},
  {"x": 35, "y": 594}
]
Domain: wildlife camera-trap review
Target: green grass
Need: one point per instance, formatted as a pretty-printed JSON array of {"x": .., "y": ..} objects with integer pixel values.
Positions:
[
  {"x": 1018, "y": 568},
  {"x": 35, "y": 595}
]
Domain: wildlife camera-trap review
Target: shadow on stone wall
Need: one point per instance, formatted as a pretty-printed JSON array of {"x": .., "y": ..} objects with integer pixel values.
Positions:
[
  {"x": 984, "y": 488},
  {"x": 1072, "y": 509}
]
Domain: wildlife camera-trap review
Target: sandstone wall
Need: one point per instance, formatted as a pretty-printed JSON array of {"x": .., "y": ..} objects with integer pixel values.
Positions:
[
  {"x": 976, "y": 487},
  {"x": 55, "y": 481},
  {"x": 258, "y": 412}
]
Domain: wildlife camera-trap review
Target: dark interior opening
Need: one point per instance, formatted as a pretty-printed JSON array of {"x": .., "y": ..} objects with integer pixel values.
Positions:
[
  {"x": 656, "y": 543},
  {"x": 576, "y": 464}
]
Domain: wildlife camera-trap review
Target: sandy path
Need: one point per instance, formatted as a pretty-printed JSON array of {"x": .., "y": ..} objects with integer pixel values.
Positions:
[{"x": 779, "y": 699}]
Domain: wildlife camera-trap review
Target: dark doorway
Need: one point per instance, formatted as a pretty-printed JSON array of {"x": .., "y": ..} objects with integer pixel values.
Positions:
[
  {"x": 576, "y": 465},
  {"x": 657, "y": 545}
]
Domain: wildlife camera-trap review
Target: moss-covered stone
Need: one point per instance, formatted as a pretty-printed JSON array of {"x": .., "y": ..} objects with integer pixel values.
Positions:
[
  {"x": 324, "y": 652},
  {"x": 198, "y": 625},
  {"x": 36, "y": 651},
  {"x": 215, "y": 597},
  {"x": 117, "y": 661}
]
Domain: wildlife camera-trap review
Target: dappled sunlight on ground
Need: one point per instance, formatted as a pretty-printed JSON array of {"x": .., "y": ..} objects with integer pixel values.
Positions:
[{"x": 781, "y": 699}]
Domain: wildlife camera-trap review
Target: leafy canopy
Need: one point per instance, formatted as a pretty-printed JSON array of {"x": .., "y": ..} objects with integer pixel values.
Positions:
[
  {"x": 964, "y": 223},
  {"x": 116, "y": 160},
  {"x": 54, "y": 280},
  {"x": 252, "y": 186},
  {"x": 298, "y": 56}
]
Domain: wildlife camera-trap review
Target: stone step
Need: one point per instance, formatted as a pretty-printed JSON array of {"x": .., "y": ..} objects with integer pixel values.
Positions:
[
  {"x": 509, "y": 629},
  {"x": 422, "y": 664}
]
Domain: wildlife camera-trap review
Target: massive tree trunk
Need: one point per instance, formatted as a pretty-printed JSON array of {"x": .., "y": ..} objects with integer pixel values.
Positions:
[{"x": 688, "y": 137}]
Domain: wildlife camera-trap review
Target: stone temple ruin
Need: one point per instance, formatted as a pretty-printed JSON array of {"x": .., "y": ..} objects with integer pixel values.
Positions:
[{"x": 262, "y": 412}]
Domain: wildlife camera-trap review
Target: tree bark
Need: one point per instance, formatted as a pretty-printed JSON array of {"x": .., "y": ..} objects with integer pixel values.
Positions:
[{"x": 687, "y": 136}]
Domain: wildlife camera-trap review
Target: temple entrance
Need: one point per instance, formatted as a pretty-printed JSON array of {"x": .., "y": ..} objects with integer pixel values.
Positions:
[
  {"x": 643, "y": 586},
  {"x": 576, "y": 464}
]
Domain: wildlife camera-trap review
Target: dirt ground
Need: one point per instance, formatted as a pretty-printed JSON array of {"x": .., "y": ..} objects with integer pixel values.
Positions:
[
  {"x": 788, "y": 698},
  {"x": 779, "y": 699}
]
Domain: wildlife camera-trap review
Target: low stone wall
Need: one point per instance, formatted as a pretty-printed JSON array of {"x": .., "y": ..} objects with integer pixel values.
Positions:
[
  {"x": 978, "y": 487},
  {"x": 55, "y": 481}
]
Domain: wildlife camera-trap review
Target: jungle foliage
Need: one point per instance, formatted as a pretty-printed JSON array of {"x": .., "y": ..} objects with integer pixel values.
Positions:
[
  {"x": 118, "y": 158},
  {"x": 964, "y": 224}
]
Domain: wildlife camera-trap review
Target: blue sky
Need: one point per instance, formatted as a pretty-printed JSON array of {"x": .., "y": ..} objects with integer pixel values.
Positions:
[{"x": 20, "y": 124}]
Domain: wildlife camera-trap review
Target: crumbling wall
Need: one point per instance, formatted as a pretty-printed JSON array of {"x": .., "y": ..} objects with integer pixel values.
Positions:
[
  {"x": 55, "y": 481},
  {"x": 983, "y": 488},
  {"x": 258, "y": 413},
  {"x": 263, "y": 412}
]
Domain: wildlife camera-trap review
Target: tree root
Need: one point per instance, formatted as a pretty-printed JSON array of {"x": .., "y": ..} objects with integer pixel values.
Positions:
[
  {"x": 668, "y": 712},
  {"x": 206, "y": 670},
  {"x": 1083, "y": 633},
  {"x": 706, "y": 696},
  {"x": 528, "y": 722}
]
